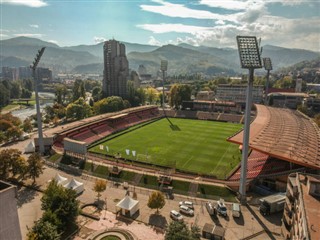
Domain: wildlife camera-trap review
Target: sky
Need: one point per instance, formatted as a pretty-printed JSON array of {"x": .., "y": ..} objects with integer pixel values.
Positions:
[{"x": 214, "y": 23}]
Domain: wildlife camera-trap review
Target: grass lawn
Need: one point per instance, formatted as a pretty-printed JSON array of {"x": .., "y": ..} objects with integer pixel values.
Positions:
[
  {"x": 215, "y": 192},
  {"x": 188, "y": 145},
  {"x": 55, "y": 157}
]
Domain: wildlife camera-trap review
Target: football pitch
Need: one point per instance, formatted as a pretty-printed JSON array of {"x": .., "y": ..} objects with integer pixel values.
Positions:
[{"x": 188, "y": 145}]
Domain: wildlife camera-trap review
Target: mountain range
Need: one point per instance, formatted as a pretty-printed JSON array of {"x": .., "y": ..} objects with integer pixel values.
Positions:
[{"x": 183, "y": 58}]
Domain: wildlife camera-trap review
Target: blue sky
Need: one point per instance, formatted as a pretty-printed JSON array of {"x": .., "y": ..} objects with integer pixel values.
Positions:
[{"x": 216, "y": 23}]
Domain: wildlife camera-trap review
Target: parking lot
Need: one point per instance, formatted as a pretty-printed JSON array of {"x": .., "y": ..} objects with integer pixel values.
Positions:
[{"x": 251, "y": 222}]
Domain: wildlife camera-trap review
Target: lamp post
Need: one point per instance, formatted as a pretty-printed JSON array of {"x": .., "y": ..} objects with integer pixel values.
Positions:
[
  {"x": 39, "y": 122},
  {"x": 267, "y": 66},
  {"x": 250, "y": 59},
  {"x": 163, "y": 68}
]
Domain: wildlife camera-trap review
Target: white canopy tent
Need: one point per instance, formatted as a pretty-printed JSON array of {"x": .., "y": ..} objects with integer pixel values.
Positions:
[
  {"x": 30, "y": 148},
  {"x": 60, "y": 179},
  {"x": 128, "y": 206},
  {"x": 75, "y": 185}
]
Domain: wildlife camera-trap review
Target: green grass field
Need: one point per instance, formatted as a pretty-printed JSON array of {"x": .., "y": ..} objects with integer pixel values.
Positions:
[{"x": 190, "y": 145}]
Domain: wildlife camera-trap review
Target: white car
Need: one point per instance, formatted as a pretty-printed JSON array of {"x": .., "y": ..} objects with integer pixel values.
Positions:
[
  {"x": 186, "y": 210},
  {"x": 176, "y": 216},
  {"x": 186, "y": 203},
  {"x": 221, "y": 208}
]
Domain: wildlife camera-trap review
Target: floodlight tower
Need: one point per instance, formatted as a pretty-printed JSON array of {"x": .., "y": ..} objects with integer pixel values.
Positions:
[
  {"x": 163, "y": 68},
  {"x": 250, "y": 59},
  {"x": 39, "y": 123},
  {"x": 267, "y": 66}
]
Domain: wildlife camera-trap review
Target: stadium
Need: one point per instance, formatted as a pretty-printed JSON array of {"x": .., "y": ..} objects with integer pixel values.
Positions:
[{"x": 195, "y": 144}]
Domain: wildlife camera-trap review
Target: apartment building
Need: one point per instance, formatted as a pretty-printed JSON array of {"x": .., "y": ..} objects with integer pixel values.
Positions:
[
  {"x": 116, "y": 69},
  {"x": 9, "y": 219},
  {"x": 302, "y": 208}
]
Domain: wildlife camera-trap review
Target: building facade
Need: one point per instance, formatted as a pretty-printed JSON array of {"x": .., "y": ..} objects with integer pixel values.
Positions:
[
  {"x": 237, "y": 93},
  {"x": 301, "y": 211},
  {"x": 9, "y": 219},
  {"x": 116, "y": 69},
  {"x": 44, "y": 74}
]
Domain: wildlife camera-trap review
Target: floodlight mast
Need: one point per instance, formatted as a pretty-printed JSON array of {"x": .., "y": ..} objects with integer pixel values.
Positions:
[
  {"x": 39, "y": 122},
  {"x": 267, "y": 66},
  {"x": 250, "y": 59},
  {"x": 163, "y": 67}
]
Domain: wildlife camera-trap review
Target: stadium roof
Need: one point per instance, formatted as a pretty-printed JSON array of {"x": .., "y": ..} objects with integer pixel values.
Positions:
[{"x": 284, "y": 134}]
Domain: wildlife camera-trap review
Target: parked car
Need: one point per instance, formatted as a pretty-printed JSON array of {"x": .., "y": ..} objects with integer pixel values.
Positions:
[
  {"x": 236, "y": 210},
  {"x": 176, "y": 216},
  {"x": 221, "y": 208},
  {"x": 186, "y": 210},
  {"x": 187, "y": 203},
  {"x": 210, "y": 208}
]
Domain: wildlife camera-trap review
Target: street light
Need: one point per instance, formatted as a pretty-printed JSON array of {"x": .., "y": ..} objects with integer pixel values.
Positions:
[
  {"x": 39, "y": 122},
  {"x": 267, "y": 66},
  {"x": 163, "y": 68},
  {"x": 249, "y": 53}
]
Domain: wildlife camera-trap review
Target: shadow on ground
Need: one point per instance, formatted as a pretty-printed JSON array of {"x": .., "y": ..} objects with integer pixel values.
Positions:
[
  {"x": 25, "y": 195},
  {"x": 158, "y": 220}
]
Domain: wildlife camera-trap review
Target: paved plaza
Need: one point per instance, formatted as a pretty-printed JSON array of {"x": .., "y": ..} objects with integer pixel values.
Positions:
[{"x": 147, "y": 222}]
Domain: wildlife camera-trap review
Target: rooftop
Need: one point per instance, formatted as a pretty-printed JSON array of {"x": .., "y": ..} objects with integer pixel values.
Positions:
[
  {"x": 311, "y": 204},
  {"x": 284, "y": 134}
]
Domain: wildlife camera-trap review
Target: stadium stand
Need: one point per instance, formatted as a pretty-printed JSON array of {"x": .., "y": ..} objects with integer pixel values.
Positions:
[
  {"x": 284, "y": 134},
  {"x": 92, "y": 129},
  {"x": 260, "y": 165},
  {"x": 230, "y": 117}
]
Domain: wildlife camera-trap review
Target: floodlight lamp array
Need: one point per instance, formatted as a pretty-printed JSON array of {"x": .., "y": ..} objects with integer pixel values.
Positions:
[
  {"x": 249, "y": 52},
  {"x": 164, "y": 65},
  {"x": 267, "y": 64}
]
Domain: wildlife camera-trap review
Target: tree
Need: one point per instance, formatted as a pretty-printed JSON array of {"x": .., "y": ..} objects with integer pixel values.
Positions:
[
  {"x": 25, "y": 93},
  {"x": 27, "y": 84},
  {"x": 99, "y": 186},
  {"x": 179, "y": 231},
  {"x": 27, "y": 125},
  {"x": 78, "y": 109},
  {"x": 152, "y": 95},
  {"x": 109, "y": 104},
  {"x": 35, "y": 166},
  {"x": 61, "y": 92},
  {"x": 178, "y": 94},
  {"x": 97, "y": 93},
  {"x": 156, "y": 200},
  {"x": 8, "y": 159},
  {"x": 19, "y": 166},
  {"x": 317, "y": 119},
  {"x": 4, "y": 95},
  {"x": 43, "y": 230},
  {"x": 15, "y": 90},
  {"x": 78, "y": 90},
  {"x": 62, "y": 202}
]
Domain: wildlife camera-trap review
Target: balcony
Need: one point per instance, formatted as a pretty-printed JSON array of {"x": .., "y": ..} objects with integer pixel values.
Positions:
[
  {"x": 290, "y": 190},
  {"x": 287, "y": 218},
  {"x": 289, "y": 204},
  {"x": 286, "y": 234}
]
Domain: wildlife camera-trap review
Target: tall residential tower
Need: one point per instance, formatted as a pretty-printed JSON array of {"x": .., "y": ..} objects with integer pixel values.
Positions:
[{"x": 116, "y": 69}]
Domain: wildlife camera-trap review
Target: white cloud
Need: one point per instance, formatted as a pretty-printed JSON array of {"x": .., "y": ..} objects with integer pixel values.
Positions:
[
  {"x": 53, "y": 41},
  {"x": 179, "y": 10},
  {"x": 251, "y": 17},
  {"x": 179, "y": 28},
  {"x": 226, "y": 4},
  {"x": 3, "y": 35},
  {"x": 28, "y": 3},
  {"x": 34, "y": 25},
  {"x": 99, "y": 39},
  {"x": 34, "y": 35},
  {"x": 153, "y": 41}
]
